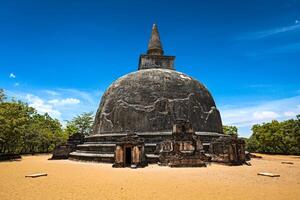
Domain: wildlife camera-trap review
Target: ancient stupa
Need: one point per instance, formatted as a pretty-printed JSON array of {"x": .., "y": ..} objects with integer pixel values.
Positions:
[{"x": 148, "y": 102}]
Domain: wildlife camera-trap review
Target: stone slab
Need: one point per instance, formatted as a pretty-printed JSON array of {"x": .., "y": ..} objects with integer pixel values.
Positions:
[
  {"x": 268, "y": 174},
  {"x": 287, "y": 162},
  {"x": 36, "y": 175}
]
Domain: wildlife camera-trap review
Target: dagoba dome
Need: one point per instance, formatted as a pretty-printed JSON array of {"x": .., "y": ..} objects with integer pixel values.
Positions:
[
  {"x": 141, "y": 112},
  {"x": 152, "y": 98}
]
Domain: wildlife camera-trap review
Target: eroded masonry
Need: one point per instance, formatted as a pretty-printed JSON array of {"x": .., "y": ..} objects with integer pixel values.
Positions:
[{"x": 158, "y": 115}]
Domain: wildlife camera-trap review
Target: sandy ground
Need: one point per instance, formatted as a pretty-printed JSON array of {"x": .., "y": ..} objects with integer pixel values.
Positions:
[{"x": 77, "y": 180}]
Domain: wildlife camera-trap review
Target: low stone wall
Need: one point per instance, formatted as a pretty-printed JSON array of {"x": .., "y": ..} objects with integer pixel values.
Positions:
[
  {"x": 228, "y": 150},
  {"x": 61, "y": 152}
]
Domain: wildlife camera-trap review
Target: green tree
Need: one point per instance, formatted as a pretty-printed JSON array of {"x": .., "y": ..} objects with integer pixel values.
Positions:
[
  {"x": 14, "y": 122},
  {"x": 276, "y": 137},
  {"x": 23, "y": 130},
  {"x": 82, "y": 124},
  {"x": 2, "y": 95},
  {"x": 43, "y": 135},
  {"x": 230, "y": 130},
  {"x": 71, "y": 128}
]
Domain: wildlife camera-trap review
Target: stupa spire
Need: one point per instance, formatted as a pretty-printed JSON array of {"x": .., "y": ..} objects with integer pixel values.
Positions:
[
  {"x": 154, "y": 45},
  {"x": 155, "y": 58}
]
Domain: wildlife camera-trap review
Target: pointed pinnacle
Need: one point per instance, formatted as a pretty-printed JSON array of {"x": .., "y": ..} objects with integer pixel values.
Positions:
[{"x": 154, "y": 45}]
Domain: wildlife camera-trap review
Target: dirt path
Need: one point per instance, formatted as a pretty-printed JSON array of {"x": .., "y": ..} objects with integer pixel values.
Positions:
[{"x": 76, "y": 180}]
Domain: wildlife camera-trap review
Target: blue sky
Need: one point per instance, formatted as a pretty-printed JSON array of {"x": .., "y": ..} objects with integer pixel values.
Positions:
[{"x": 60, "y": 56}]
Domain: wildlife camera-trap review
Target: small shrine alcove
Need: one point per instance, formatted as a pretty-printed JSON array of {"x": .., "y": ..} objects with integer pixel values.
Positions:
[{"x": 129, "y": 152}]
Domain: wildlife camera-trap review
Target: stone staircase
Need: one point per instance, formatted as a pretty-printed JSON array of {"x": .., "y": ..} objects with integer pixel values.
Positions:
[{"x": 101, "y": 148}]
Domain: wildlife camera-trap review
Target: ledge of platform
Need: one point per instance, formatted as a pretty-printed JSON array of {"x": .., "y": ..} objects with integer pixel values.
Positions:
[{"x": 165, "y": 133}]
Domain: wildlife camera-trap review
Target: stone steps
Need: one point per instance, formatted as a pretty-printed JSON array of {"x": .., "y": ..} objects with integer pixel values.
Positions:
[
  {"x": 101, "y": 148},
  {"x": 150, "y": 144},
  {"x": 103, "y": 157},
  {"x": 98, "y": 154},
  {"x": 152, "y": 158},
  {"x": 104, "y": 147},
  {"x": 92, "y": 154},
  {"x": 149, "y": 137},
  {"x": 96, "y": 145},
  {"x": 94, "y": 157}
]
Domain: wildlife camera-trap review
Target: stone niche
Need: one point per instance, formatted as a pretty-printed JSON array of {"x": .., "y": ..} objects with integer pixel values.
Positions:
[
  {"x": 130, "y": 152},
  {"x": 228, "y": 150},
  {"x": 183, "y": 149}
]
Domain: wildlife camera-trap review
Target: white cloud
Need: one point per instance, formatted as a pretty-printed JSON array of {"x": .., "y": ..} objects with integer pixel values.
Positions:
[
  {"x": 41, "y": 106},
  {"x": 271, "y": 32},
  {"x": 290, "y": 114},
  {"x": 63, "y": 102},
  {"x": 12, "y": 75},
  {"x": 51, "y": 92},
  {"x": 17, "y": 84},
  {"x": 245, "y": 117},
  {"x": 284, "y": 31},
  {"x": 86, "y": 96},
  {"x": 54, "y": 101},
  {"x": 265, "y": 115}
]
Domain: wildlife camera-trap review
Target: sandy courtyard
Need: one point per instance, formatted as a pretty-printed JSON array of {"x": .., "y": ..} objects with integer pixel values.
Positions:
[{"x": 77, "y": 180}]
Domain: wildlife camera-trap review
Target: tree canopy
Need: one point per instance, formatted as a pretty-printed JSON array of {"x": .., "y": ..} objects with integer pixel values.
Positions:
[
  {"x": 276, "y": 137},
  {"x": 230, "y": 130},
  {"x": 23, "y": 130},
  {"x": 2, "y": 95},
  {"x": 80, "y": 124}
]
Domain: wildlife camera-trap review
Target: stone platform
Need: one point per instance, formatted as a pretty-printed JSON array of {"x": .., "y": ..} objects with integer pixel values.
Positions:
[{"x": 101, "y": 147}]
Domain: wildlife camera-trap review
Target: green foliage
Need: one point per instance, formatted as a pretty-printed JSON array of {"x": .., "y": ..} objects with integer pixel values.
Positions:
[
  {"x": 43, "y": 135},
  {"x": 230, "y": 130},
  {"x": 14, "y": 123},
  {"x": 276, "y": 137},
  {"x": 23, "y": 130},
  {"x": 80, "y": 124},
  {"x": 2, "y": 95},
  {"x": 70, "y": 129}
]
